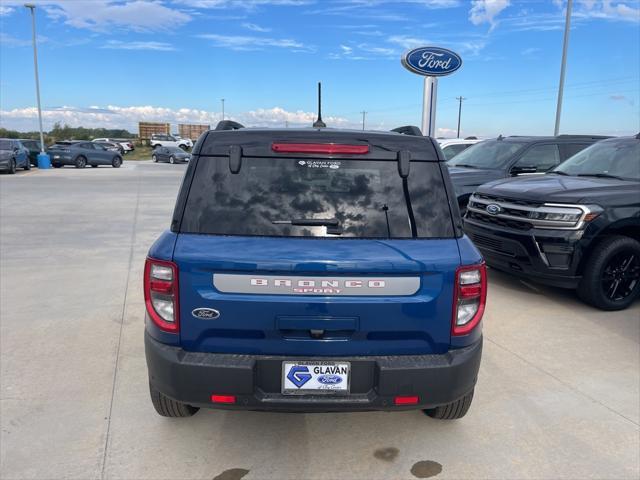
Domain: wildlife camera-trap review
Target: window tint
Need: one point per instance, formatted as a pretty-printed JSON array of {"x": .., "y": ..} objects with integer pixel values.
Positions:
[
  {"x": 365, "y": 197},
  {"x": 620, "y": 158},
  {"x": 487, "y": 154},
  {"x": 451, "y": 151},
  {"x": 570, "y": 149},
  {"x": 89, "y": 146},
  {"x": 543, "y": 157}
]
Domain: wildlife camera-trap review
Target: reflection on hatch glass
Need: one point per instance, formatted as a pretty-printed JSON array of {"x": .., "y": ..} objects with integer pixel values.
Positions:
[{"x": 317, "y": 197}]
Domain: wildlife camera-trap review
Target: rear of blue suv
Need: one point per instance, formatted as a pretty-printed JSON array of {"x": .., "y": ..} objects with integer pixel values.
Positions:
[{"x": 314, "y": 270}]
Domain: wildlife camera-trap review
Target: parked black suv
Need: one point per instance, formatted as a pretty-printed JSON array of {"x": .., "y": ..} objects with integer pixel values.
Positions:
[
  {"x": 576, "y": 227},
  {"x": 509, "y": 157}
]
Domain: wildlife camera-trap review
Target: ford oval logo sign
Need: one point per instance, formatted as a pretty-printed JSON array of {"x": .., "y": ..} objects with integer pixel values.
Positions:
[
  {"x": 329, "y": 379},
  {"x": 493, "y": 209},
  {"x": 431, "y": 61},
  {"x": 205, "y": 313}
]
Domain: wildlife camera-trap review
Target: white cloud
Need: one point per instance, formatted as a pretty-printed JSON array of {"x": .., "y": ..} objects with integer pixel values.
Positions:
[
  {"x": 608, "y": 9},
  {"x": 255, "y": 28},
  {"x": 25, "y": 119},
  {"x": 486, "y": 11},
  {"x": 11, "y": 41},
  {"x": 104, "y": 15},
  {"x": 407, "y": 41},
  {"x": 6, "y": 10},
  {"x": 150, "y": 45},
  {"x": 530, "y": 51},
  {"x": 245, "y": 4},
  {"x": 246, "y": 42}
]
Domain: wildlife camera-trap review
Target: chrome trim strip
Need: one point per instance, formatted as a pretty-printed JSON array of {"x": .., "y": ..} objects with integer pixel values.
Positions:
[{"x": 537, "y": 223}]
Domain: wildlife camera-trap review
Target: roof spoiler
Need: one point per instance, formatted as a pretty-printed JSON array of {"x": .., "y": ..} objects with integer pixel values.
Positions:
[
  {"x": 228, "y": 125},
  {"x": 408, "y": 130}
]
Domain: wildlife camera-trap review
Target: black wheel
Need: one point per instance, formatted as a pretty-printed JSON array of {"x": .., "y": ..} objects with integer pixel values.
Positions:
[
  {"x": 167, "y": 407},
  {"x": 154, "y": 158},
  {"x": 611, "y": 276},
  {"x": 453, "y": 410},
  {"x": 12, "y": 167},
  {"x": 28, "y": 165},
  {"x": 116, "y": 162},
  {"x": 94, "y": 166},
  {"x": 172, "y": 160},
  {"x": 56, "y": 165},
  {"x": 81, "y": 162}
]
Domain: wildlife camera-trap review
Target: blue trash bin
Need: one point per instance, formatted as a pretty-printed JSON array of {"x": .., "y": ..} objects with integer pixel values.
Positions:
[{"x": 44, "y": 161}]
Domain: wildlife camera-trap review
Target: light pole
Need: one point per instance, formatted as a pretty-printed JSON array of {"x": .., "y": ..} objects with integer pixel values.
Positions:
[
  {"x": 364, "y": 114},
  {"x": 222, "y": 100},
  {"x": 43, "y": 158},
  {"x": 460, "y": 99},
  {"x": 565, "y": 46}
]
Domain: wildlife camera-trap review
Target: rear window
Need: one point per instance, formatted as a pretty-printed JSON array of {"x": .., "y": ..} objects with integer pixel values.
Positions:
[{"x": 281, "y": 196}]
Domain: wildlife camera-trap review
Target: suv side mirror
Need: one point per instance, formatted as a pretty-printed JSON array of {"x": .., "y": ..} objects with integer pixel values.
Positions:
[{"x": 523, "y": 170}]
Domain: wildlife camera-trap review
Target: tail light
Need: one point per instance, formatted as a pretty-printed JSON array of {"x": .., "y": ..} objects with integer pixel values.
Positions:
[
  {"x": 161, "y": 294},
  {"x": 327, "y": 148},
  {"x": 469, "y": 298}
]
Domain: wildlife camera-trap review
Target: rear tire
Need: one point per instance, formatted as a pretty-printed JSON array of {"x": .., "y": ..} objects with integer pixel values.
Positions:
[
  {"x": 172, "y": 160},
  {"x": 81, "y": 162},
  {"x": 12, "y": 167},
  {"x": 57, "y": 165},
  {"x": 94, "y": 166},
  {"x": 116, "y": 162},
  {"x": 453, "y": 410},
  {"x": 28, "y": 165},
  {"x": 154, "y": 158},
  {"x": 167, "y": 407},
  {"x": 602, "y": 292}
]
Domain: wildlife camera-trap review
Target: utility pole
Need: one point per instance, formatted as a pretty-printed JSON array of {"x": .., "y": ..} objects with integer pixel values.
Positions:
[
  {"x": 286, "y": 123},
  {"x": 565, "y": 47},
  {"x": 364, "y": 114},
  {"x": 32, "y": 7},
  {"x": 222, "y": 100},
  {"x": 460, "y": 99}
]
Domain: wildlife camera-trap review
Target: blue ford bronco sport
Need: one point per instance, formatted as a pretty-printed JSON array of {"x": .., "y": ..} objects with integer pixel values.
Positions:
[{"x": 314, "y": 270}]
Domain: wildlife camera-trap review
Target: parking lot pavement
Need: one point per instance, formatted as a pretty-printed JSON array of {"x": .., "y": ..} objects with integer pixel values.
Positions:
[{"x": 558, "y": 393}]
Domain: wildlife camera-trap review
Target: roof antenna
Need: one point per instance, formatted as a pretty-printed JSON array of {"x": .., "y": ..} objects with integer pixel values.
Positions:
[{"x": 319, "y": 123}]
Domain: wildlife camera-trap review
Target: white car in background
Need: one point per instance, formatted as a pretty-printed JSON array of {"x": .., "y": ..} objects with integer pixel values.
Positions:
[
  {"x": 187, "y": 140},
  {"x": 127, "y": 145},
  {"x": 162, "y": 140},
  {"x": 453, "y": 146}
]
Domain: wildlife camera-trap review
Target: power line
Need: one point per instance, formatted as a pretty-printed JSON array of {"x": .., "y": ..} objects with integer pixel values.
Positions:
[{"x": 460, "y": 99}]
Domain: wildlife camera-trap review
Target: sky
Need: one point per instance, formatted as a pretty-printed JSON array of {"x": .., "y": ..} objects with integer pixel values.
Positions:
[{"x": 112, "y": 63}]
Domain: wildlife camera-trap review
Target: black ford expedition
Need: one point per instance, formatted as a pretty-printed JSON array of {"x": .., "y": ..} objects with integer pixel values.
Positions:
[
  {"x": 578, "y": 226},
  {"x": 510, "y": 157}
]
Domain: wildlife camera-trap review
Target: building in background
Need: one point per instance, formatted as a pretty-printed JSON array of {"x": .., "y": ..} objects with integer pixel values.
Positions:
[
  {"x": 192, "y": 130},
  {"x": 146, "y": 129}
]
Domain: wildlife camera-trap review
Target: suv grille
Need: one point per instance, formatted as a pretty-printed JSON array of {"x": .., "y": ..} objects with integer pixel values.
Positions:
[{"x": 525, "y": 215}]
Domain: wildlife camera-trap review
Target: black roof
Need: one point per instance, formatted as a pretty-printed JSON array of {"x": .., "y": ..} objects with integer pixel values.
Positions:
[{"x": 257, "y": 142}]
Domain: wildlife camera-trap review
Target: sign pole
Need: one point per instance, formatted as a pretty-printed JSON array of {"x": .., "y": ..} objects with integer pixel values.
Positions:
[
  {"x": 565, "y": 46},
  {"x": 429, "y": 100}
]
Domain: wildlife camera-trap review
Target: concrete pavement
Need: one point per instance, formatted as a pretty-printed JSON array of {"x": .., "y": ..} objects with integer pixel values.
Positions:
[{"x": 558, "y": 394}]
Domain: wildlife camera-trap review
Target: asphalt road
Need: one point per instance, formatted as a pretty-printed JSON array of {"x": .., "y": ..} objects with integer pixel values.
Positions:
[{"x": 558, "y": 395}]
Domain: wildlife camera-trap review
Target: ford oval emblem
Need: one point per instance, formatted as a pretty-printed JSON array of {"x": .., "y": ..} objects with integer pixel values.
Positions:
[
  {"x": 431, "y": 61},
  {"x": 493, "y": 209},
  {"x": 330, "y": 379},
  {"x": 205, "y": 313}
]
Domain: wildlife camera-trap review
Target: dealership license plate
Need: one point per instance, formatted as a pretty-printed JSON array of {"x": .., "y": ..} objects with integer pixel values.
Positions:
[{"x": 300, "y": 378}]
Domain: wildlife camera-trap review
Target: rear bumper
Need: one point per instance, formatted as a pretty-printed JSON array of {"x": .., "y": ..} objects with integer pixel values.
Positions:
[{"x": 255, "y": 380}]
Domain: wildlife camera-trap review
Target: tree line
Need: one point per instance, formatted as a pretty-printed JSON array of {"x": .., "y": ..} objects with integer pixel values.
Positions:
[{"x": 65, "y": 132}]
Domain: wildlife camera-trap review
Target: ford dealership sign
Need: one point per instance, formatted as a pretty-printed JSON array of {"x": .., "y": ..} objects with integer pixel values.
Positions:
[{"x": 431, "y": 61}]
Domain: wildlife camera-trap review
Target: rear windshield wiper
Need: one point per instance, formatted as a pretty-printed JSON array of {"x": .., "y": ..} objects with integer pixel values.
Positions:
[
  {"x": 332, "y": 224},
  {"x": 464, "y": 165},
  {"x": 599, "y": 175}
]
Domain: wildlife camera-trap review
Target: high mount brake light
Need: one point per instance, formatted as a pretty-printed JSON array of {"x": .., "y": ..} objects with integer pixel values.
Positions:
[
  {"x": 328, "y": 148},
  {"x": 161, "y": 294},
  {"x": 469, "y": 298}
]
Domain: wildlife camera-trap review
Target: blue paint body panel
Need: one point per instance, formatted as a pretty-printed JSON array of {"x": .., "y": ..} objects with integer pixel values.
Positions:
[{"x": 372, "y": 325}]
